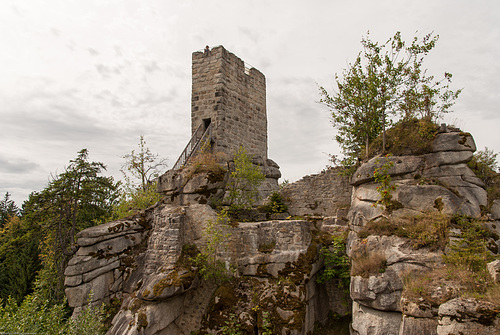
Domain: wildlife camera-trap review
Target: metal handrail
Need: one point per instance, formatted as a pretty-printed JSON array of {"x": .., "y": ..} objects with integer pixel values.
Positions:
[{"x": 193, "y": 145}]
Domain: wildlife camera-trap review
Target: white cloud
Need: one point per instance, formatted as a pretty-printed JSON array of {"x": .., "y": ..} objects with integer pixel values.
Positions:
[{"x": 98, "y": 74}]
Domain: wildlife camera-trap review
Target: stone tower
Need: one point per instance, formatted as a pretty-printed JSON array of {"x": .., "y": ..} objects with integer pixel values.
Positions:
[
  {"x": 232, "y": 99},
  {"x": 228, "y": 107}
]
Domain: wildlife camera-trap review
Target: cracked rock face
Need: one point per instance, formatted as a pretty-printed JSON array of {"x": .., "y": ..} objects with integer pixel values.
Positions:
[
  {"x": 441, "y": 182},
  {"x": 138, "y": 261}
]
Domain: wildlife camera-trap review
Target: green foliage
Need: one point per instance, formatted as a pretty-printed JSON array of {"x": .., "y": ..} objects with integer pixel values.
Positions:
[
  {"x": 466, "y": 259},
  {"x": 19, "y": 260},
  {"x": 406, "y": 137},
  {"x": 267, "y": 326},
  {"x": 215, "y": 235},
  {"x": 76, "y": 199},
  {"x": 484, "y": 165},
  {"x": 232, "y": 326},
  {"x": 8, "y": 209},
  {"x": 337, "y": 264},
  {"x": 245, "y": 181},
  {"x": 385, "y": 82},
  {"x": 90, "y": 321},
  {"x": 35, "y": 315},
  {"x": 142, "y": 165},
  {"x": 383, "y": 178},
  {"x": 284, "y": 183},
  {"x": 469, "y": 252},
  {"x": 134, "y": 200},
  {"x": 276, "y": 204}
]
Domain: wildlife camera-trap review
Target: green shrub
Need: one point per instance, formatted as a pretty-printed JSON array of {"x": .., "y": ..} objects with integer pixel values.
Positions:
[
  {"x": 134, "y": 200},
  {"x": 276, "y": 204},
  {"x": 36, "y": 316},
  {"x": 215, "y": 235},
  {"x": 485, "y": 167},
  {"x": 245, "y": 181},
  {"x": 337, "y": 264},
  {"x": 407, "y": 137},
  {"x": 385, "y": 188}
]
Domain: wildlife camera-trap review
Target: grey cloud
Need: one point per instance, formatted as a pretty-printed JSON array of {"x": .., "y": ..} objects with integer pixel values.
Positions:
[
  {"x": 155, "y": 99},
  {"x": 17, "y": 166},
  {"x": 151, "y": 66},
  {"x": 106, "y": 71},
  {"x": 107, "y": 96},
  {"x": 118, "y": 50},
  {"x": 251, "y": 34},
  {"x": 55, "y": 32},
  {"x": 93, "y": 52}
]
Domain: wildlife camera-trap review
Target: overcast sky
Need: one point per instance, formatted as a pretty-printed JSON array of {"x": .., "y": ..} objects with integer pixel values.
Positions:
[{"x": 98, "y": 74}]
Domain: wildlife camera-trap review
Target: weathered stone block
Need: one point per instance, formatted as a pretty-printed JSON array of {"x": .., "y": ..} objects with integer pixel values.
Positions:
[
  {"x": 367, "y": 320},
  {"x": 454, "y": 141}
]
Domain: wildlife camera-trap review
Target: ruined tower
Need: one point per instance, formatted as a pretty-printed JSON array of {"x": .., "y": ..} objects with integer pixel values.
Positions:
[
  {"x": 230, "y": 98},
  {"x": 228, "y": 110}
]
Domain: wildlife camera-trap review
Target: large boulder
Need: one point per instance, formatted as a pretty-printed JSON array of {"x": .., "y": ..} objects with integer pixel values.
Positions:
[{"x": 384, "y": 301}]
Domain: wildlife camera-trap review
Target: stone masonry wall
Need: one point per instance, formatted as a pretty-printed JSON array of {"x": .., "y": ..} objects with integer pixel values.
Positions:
[
  {"x": 323, "y": 194},
  {"x": 233, "y": 97}
]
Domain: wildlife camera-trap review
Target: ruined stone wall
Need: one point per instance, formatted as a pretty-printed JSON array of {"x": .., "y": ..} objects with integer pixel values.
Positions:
[
  {"x": 322, "y": 194},
  {"x": 233, "y": 97}
]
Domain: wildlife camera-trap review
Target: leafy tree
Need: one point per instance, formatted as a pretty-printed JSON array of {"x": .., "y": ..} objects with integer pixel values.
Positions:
[
  {"x": 143, "y": 165},
  {"x": 76, "y": 199},
  {"x": 215, "y": 235},
  {"x": 245, "y": 181},
  {"x": 19, "y": 258},
  {"x": 386, "y": 81},
  {"x": 7, "y": 209},
  {"x": 132, "y": 201},
  {"x": 35, "y": 315},
  {"x": 135, "y": 196},
  {"x": 484, "y": 165},
  {"x": 337, "y": 264}
]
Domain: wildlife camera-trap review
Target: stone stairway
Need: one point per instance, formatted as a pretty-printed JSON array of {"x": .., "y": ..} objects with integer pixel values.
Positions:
[{"x": 201, "y": 135}]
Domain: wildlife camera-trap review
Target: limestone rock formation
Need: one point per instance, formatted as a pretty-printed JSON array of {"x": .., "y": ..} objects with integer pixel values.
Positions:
[
  {"x": 437, "y": 182},
  {"x": 185, "y": 186},
  {"x": 141, "y": 262}
]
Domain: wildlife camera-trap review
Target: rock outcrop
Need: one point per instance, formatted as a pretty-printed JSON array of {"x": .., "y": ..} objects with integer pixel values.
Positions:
[
  {"x": 139, "y": 261},
  {"x": 185, "y": 186},
  {"x": 142, "y": 262},
  {"x": 437, "y": 182}
]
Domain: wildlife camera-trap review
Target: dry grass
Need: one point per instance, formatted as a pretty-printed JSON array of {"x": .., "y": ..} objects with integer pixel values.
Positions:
[
  {"x": 366, "y": 264},
  {"x": 426, "y": 230},
  {"x": 206, "y": 162},
  {"x": 443, "y": 284},
  {"x": 432, "y": 286}
]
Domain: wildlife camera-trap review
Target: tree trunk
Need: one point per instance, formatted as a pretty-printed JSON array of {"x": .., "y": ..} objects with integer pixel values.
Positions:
[{"x": 367, "y": 144}]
